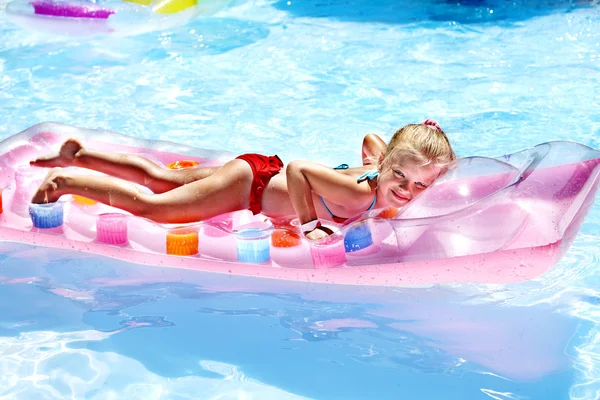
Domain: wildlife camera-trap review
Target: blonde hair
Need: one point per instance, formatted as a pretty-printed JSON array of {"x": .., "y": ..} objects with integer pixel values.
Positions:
[{"x": 424, "y": 143}]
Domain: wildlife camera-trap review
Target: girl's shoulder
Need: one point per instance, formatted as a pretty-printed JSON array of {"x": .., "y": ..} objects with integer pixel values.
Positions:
[{"x": 363, "y": 173}]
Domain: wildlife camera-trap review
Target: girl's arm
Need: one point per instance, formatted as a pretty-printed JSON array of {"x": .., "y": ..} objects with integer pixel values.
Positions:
[
  {"x": 305, "y": 178},
  {"x": 373, "y": 146}
]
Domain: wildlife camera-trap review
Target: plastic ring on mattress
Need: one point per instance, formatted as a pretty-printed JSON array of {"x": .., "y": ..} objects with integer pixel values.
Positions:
[
  {"x": 285, "y": 238},
  {"x": 182, "y": 241},
  {"x": 328, "y": 253},
  {"x": 253, "y": 245},
  {"x": 46, "y": 216},
  {"x": 84, "y": 201},
  {"x": 388, "y": 213},
  {"x": 111, "y": 228},
  {"x": 358, "y": 238},
  {"x": 183, "y": 164}
]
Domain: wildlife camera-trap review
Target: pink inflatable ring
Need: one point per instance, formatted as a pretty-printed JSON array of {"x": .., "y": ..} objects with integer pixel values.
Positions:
[{"x": 60, "y": 9}]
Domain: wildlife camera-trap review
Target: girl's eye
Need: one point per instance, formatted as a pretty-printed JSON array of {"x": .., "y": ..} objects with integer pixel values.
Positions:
[
  {"x": 399, "y": 173},
  {"x": 421, "y": 185}
]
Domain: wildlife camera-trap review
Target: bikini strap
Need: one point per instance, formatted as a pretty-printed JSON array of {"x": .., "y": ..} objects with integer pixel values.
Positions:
[
  {"x": 373, "y": 203},
  {"x": 326, "y": 208},
  {"x": 342, "y": 166},
  {"x": 340, "y": 218},
  {"x": 369, "y": 175}
]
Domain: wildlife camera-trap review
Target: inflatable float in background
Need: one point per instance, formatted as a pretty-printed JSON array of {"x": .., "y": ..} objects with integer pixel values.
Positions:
[
  {"x": 487, "y": 220},
  {"x": 114, "y": 17}
]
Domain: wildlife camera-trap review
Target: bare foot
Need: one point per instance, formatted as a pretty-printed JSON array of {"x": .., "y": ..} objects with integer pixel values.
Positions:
[
  {"x": 65, "y": 157},
  {"x": 49, "y": 191}
]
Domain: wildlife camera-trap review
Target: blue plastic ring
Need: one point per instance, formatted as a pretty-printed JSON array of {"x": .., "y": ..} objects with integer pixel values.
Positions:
[{"x": 46, "y": 215}]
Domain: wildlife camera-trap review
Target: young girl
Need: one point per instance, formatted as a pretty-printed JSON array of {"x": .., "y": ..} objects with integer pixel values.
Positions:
[{"x": 390, "y": 177}]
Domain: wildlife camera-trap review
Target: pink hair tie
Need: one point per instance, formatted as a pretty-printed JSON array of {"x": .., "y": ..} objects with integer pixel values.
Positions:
[{"x": 432, "y": 123}]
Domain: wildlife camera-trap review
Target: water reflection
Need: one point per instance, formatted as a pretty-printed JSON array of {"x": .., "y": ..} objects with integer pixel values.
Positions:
[{"x": 320, "y": 340}]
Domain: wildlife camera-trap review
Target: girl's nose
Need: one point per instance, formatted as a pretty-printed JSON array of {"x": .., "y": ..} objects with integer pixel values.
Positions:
[{"x": 411, "y": 189}]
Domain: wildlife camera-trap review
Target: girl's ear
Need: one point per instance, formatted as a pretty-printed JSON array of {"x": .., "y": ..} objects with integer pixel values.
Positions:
[{"x": 380, "y": 160}]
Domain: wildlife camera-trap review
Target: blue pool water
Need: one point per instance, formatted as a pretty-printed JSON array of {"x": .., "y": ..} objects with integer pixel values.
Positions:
[{"x": 307, "y": 79}]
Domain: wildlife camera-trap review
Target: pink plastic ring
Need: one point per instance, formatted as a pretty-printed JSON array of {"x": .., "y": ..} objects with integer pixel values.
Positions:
[
  {"x": 111, "y": 228},
  {"x": 328, "y": 254}
]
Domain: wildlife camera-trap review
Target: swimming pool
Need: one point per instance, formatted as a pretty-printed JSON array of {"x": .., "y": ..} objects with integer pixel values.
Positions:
[{"x": 307, "y": 79}]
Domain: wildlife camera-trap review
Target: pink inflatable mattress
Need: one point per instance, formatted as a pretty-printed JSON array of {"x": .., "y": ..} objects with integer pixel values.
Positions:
[{"x": 490, "y": 220}]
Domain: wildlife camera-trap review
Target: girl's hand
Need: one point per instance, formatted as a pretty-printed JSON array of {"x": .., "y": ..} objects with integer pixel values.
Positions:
[{"x": 319, "y": 232}]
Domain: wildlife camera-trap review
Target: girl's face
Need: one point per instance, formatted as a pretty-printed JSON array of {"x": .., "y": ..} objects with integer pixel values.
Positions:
[{"x": 400, "y": 183}]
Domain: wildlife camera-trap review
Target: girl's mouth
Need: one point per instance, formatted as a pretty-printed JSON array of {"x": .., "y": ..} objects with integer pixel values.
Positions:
[{"x": 400, "y": 197}]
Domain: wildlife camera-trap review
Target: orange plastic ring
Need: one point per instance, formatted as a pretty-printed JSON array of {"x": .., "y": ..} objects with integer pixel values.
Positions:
[
  {"x": 83, "y": 200},
  {"x": 285, "y": 238},
  {"x": 183, "y": 164},
  {"x": 182, "y": 241},
  {"x": 388, "y": 213}
]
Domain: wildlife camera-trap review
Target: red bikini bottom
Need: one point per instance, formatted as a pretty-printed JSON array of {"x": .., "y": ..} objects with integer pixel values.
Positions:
[{"x": 263, "y": 169}]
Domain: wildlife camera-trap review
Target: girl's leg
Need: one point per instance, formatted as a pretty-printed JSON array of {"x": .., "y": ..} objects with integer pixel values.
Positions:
[
  {"x": 225, "y": 191},
  {"x": 125, "y": 166}
]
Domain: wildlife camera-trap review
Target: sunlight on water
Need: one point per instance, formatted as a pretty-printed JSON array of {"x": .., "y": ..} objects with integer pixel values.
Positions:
[{"x": 43, "y": 365}]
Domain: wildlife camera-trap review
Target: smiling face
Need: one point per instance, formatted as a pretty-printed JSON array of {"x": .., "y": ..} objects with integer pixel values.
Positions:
[
  {"x": 415, "y": 156},
  {"x": 403, "y": 180}
]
